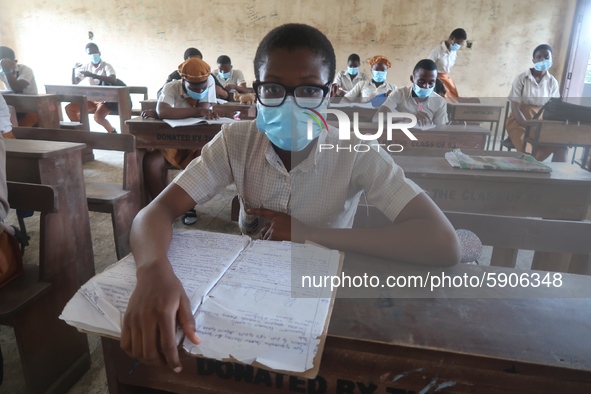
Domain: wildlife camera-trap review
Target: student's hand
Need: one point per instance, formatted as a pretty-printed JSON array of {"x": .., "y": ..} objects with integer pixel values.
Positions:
[
  {"x": 149, "y": 326},
  {"x": 221, "y": 93},
  {"x": 149, "y": 113},
  {"x": 231, "y": 86},
  {"x": 87, "y": 74},
  {"x": 7, "y": 64},
  {"x": 423, "y": 119},
  {"x": 207, "y": 113},
  {"x": 280, "y": 226}
]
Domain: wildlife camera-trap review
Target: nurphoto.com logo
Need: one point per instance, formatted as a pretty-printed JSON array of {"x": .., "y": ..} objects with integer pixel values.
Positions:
[{"x": 392, "y": 123}]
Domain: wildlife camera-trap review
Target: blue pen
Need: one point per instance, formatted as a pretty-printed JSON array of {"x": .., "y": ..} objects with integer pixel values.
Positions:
[{"x": 133, "y": 366}]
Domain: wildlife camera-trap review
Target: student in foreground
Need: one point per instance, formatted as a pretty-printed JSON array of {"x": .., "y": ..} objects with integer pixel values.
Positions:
[
  {"x": 419, "y": 99},
  {"x": 445, "y": 55},
  {"x": 299, "y": 193},
  {"x": 530, "y": 91}
]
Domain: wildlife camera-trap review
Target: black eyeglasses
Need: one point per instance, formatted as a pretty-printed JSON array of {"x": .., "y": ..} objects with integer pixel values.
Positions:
[{"x": 272, "y": 94}]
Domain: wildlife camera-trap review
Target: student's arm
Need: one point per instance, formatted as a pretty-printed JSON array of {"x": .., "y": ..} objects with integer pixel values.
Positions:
[
  {"x": 421, "y": 234},
  {"x": 110, "y": 77},
  {"x": 159, "y": 300},
  {"x": 240, "y": 86},
  {"x": 17, "y": 85},
  {"x": 440, "y": 116},
  {"x": 515, "y": 98},
  {"x": 354, "y": 92}
]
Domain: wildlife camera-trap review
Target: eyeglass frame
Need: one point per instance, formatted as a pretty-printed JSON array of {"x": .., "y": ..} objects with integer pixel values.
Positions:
[{"x": 290, "y": 90}]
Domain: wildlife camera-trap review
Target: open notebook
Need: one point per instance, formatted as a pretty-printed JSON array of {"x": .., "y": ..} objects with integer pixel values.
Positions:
[{"x": 241, "y": 296}]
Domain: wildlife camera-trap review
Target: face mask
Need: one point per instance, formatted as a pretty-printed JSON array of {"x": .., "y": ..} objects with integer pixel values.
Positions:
[
  {"x": 95, "y": 58},
  {"x": 286, "y": 126},
  {"x": 225, "y": 75},
  {"x": 379, "y": 76},
  {"x": 543, "y": 65},
  {"x": 455, "y": 46},
  {"x": 422, "y": 92},
  {"x": 353, "y": 70},
  {"x": 197, "y": 96}
]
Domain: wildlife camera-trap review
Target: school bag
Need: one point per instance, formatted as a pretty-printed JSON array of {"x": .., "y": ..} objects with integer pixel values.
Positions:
[{"x": 557, "y": 109}]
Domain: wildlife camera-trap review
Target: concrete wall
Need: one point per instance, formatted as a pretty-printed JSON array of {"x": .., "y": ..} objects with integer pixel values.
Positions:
[{"x": 145, "y": 39}]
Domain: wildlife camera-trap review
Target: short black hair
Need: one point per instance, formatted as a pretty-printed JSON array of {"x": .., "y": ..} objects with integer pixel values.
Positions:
[
  {"x": 425, "y": 64},
  {"x": 294, "y": 36},
  {"x": 460, "y": 34},
  {"x": 7, "y": 53},
  {"x": 541, "y": 48},
  {"x": 353, "y": 58},
  {"x": 191, "y": 52},
  {"x": 224, "y": 60},
  {"x": 91, "y": 45}
]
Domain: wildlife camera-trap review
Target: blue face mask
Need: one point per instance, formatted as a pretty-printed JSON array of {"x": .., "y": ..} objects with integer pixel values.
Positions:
[
  {"x": 543, "y": 65},
  {"x": 422, "y": 92},
  {"x": 95, "y": 58},
  {"x": 197, "y": 96},
  {"x": 353, "y": 70},
  {"x": 379, "y": 76},
  {"x": 286, "y": 126},
  {"x": 225, "y": 75},
  {"x": 455, "y": 46}
]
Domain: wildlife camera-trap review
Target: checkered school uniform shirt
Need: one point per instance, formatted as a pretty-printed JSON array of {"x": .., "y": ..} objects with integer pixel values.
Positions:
[{"x": 321, "y": 191}]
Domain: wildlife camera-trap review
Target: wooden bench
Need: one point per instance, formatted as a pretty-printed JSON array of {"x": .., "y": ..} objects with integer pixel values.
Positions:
[
  {"x": 53, "y": 355},
  {"x": 111, "y": 94},
  {"x": 507, "y": 235},
  {"x": 463, "y": 113},
  {"x": 44, "y": 105},
  {"x": 122, "y": 201},
  {"x": 554, "y": 133},
  {"x": 83, "y": 125}
]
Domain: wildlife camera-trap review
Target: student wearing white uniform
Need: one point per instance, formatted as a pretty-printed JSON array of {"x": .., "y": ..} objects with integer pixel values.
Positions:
[
  {"x": 445, "y": 55},
  {"x": 419, "y": 99},
  {"x": 346, "y": 79},
  {"x": 377, "y": 85},
  {"x": 230, "y": 78},
  {"x": 95, "y": 72},
  {"x": 306, "y": 194},
  {"x": 20, "y": 79},
  {"x": 530, "y": 91},
  {"x": 192, "y": 96}
]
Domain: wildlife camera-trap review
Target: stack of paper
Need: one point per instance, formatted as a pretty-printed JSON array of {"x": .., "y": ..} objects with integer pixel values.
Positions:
[
  {"x": 523, "y": 162},
  {"x": 241, "y": 295}
]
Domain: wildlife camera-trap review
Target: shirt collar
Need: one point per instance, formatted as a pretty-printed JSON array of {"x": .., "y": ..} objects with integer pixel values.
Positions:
[{"x": 533, "y": 79}]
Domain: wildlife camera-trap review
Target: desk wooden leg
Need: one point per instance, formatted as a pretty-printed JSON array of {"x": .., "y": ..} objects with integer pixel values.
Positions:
[
  {"x": 580, "y": 264},
  {"x": 504, "y": 257},
  {"x": 551, "y": 261},
  {"x": 144, "y": 197}
]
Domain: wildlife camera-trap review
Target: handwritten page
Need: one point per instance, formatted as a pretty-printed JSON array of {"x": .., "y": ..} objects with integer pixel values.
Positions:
[
  {"x": 198, "y": 259},
  {"x": 251, "y": 315},
  {"x": 195, "y": 121}
]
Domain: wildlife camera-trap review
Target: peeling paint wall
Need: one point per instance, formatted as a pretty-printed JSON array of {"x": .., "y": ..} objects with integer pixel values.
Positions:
[{"x": 145, "y": 39}]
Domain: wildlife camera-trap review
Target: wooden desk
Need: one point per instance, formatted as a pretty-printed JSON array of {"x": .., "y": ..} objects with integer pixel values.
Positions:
[
  {"x": 438, "y": 138},
  {"x": 46, "y": 106},
  {"x": 564, "y": 193},
  {"x": 111, "y": 94},
  {"x": 226, "y": 110},
  {"x": 65, "y": 254},
  {"x": 392, "y": 344},
  {"x": 157, "y": 134},
  {"x": 553, "y": 133},
  {"x": 477, "y": 112}
]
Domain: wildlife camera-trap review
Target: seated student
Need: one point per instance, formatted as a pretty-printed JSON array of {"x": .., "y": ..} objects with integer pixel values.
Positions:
[
  {"x": 173, "y": 76},
  {"x": 445, "y": 55},
  {"x": 419, "y": 99},
  {"x": 230, "y": 78},
  {"x": 190, "y": 96},
  {"x": 307, "y": 194},
  {"x": 530, "y": 91},
  {"x": 376, "y": 86},
  {"x": 95, "y": 72},
  {"x": 20, "y": 79},
  {"x": 345, "y": 80}
]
